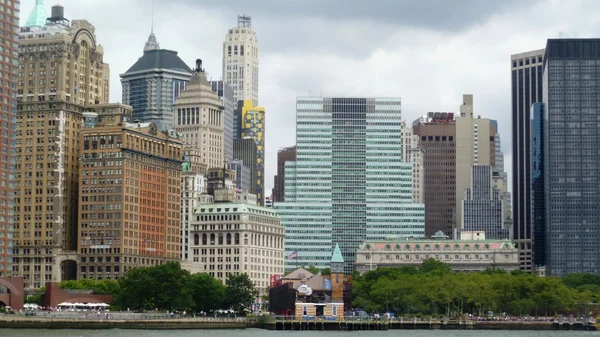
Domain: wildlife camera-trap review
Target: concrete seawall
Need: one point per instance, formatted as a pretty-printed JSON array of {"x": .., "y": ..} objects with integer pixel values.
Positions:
[{"x": 167, "y": 324}]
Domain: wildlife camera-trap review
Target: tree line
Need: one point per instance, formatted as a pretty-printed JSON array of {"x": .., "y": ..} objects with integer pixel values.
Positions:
[
  {"x": 168, "y": 287},
  {"x": 434, "y": 289}
]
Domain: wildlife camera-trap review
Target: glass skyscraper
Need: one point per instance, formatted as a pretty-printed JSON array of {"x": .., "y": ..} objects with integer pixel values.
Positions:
[
  {"x": 151, "y": 85},
  {"x": 348, "y": 183},
  {"x": 572, "y": 100},
  {"x": 539, "y": 203}
]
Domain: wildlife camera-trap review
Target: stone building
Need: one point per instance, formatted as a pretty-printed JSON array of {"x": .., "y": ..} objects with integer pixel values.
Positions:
[
  {"x": 60, "y": 73},
  {"x": 130, "y": 192},
  {"x": 232, "y": 236},
  {"x": 474, "y": 253}
]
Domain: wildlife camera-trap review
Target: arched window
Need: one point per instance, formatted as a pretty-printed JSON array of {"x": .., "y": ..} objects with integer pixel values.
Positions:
[
  {"x": 228, "y": 238},
  {"x": 237, "y": 238},
  {"x": 235, "y": 50},
  {"x": 196, "y": 239},
  {"x": 212, "y": 239},
  {"x": 228, "y": 50},
  {"x": 204, "y": 236},
  {"x": 220, "y": 238},
  {"x": 242, "y": 50}
]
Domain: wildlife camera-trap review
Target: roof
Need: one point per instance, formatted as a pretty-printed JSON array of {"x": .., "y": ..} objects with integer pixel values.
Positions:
[
  {"x": 159, "y": 59},
  {"x": 38, "y": 15},
  {"x": 337, "y": 255},
  {"x": 233, "y": 207},
  {"x": 298, "y": 274},
  {"x": 425, "y": 245}
]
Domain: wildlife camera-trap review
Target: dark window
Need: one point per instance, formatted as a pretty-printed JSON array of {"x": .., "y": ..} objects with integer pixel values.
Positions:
[
  {"x": 451, "y": 138},
  {"x": 533, "y": 60},
  {"x": 491, "y": 138},
  {"x": 521, "y": 62},
  {"x": 514, "y": 64},
  {"x": 527, "y": 61},
  {"x": 444, "y": 138},
  {"x": 423, "y": 138},
  {"x": 437, "y": 138},
  {"x": 540, "y": 59},
  {"x": 430, "y": 138}
]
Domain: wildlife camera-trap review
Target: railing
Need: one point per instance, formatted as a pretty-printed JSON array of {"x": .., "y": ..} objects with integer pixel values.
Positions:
[{"x": 119, "y": 316}]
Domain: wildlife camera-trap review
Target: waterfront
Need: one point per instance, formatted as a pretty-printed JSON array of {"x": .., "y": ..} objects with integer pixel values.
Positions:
[{"x": 263, "y": 333}]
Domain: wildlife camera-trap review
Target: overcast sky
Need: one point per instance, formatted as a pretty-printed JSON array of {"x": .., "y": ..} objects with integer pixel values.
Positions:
[{"x": 428, "y": 52}]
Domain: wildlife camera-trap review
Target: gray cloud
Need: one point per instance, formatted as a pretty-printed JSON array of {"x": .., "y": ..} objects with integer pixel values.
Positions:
[{"x": 427, "y": 52}]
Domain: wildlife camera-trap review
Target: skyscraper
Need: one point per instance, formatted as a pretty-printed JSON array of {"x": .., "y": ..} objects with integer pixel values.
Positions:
[
  {"x": 199, "y": 119},
  {"x": 538, "y": 111},
  {"x": 130, "y": 194},
  {"x": 60, "y": 74},
  {"x": 245, "y": 150},
  {"x": 413, "y": 153},
  {"x": 526, "y": 85},
  {"x": 151, "y": 85},
  {"x": 8, "y": 105},
  {"x": 348, "y": 183},
  {"x": 225, "y": 92},
  {"x": 475, "y": 145},
  {"x": 284, "y": 155},
  {"x": 571, "y": 72},
  {"x": 437, "y": 133},
  {"x": 483, "y": 206},
  {"x": 240, "y": 60},
  {"x": 251, "y": 124}
]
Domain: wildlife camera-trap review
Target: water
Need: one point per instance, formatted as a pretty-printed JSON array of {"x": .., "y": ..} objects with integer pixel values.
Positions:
[{"x": 267, "y": 333}]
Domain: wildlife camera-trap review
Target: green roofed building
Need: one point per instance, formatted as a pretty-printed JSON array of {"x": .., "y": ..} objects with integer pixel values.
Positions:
[{"x": 38, "y": 15}]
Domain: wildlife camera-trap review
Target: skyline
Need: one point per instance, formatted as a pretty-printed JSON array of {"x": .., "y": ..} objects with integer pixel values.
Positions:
[{"x": 344, "y": 59}]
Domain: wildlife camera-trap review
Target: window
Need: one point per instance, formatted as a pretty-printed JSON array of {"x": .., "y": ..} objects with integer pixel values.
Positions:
[
  {"x": 304, "y": 310},
  {"x": 196, "y": 239},
  {"x": 204, "y": 237},
  {"x": 334, "y": 310},
  {"x": 228, "y": 238}
]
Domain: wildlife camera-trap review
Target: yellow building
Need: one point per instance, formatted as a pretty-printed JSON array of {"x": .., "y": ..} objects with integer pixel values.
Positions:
[{"x": 252, "y": 125}]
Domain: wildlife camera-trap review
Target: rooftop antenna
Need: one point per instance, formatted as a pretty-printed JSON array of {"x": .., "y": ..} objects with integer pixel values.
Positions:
[{"x": 152, "y": 25}]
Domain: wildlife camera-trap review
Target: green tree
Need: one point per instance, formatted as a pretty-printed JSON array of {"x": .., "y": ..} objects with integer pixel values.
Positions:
[
  {"x": 326, "y": 271},
  {"x": 240, "y": 293},
  {"x": 433, "y": 266},
  {"x": 207, "y": 292},
  {"x": 312, "y": 269}
]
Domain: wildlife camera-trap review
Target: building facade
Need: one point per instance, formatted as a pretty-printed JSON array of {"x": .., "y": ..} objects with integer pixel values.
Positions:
[
  {"x": 571, "y": 68},
  {"x": 60, "y": 73},
  {"x": 526, "y": 89},
  {"x": 348, "y": 183},
  {"x": 413, "y": 153},
  {"x": 251, "y": 125},
  {"x": 483, "y": 205},
  {"x": 225, "y": 93},
  {"x": 284, "y": 155},
  {"x": 468, "y": 255},
  {"x": 475, "y": 145},
  {"x": 538, "y": 112},
  {"x": 193, "y": 191},
  {"x": 153, "y": 83},
  {"x": 245, "y": 150},
  {"x": 130, "y": 191},
  {"x": 243, "y": 175},
  {"x": 437, "y": 133},
  {"x": 8, "y": 104},
  {"x": 199, "y": 120},
  {"x": 240, "y": 60},
  {"x": 232, "y": 237}
]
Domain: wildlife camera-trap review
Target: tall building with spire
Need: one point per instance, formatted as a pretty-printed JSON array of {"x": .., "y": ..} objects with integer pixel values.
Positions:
[
  {"x": 38, "y": 15},
  {"x": 240, "y": 60},
  {"x": 60, "y": 74},
  {"x": 8, "y": 104},
  {"x": 153, "y": 83}
]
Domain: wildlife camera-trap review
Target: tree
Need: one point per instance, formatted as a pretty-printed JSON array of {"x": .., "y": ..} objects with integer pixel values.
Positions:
[
  {"x": 240, "y": 293},
  {"x": 434, "y": 266},
  {"x": 325, "y": 271},
  {"x": 207, "y": 292},
  {"x": 312, "y": 269}
]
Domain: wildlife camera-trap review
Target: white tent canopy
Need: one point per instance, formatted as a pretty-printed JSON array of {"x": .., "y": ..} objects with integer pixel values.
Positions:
[{"x": 65, "y": 304}]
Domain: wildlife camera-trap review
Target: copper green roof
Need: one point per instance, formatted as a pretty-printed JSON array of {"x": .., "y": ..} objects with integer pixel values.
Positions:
[
  {"x": 337, "y": 255},
  {"x": 38, "y": 15}
]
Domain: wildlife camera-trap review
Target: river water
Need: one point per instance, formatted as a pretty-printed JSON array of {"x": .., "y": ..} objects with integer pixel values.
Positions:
[{"x": 266, "y": 333}]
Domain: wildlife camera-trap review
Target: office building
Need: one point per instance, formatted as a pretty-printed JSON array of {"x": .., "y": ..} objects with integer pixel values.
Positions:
[
  {"x": 231, "y": 236},
  {"x": 526, "y": 89},
  {"x": 199, "y": 120},
  {"x": 571, "y": 67},
  {"x": 240, "y": 60},
  {"x": 413, "y": 153},
  {"x": 245, "y": 150},
  {"x": 482, "y": 206},
  {"x": 52, "y": 92},
  {"x": 243, "y": 175},
  {"x": 251, "y": 124},
  {"x": 538, "y": 141},
  {"x": 225, "y": 93},
  {"x": 348, "y": 183},
  {"x": 473, "y": 252},
  {"x": 130, "y": 192},
  {"x": 283, "y": 156},
  {"x": 437, "y": 132},
  {"x": 8, "y": 105},
  {"x": 475, "y": 146},
  {"x": 153, "y": 83},
  {"x": 193, "y": 192}
]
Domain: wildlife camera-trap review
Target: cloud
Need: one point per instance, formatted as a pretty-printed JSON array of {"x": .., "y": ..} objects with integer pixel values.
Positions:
[{"x": 427, "y": 52}]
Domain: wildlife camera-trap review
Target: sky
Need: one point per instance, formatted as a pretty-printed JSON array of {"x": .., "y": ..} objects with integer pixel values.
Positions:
[{"x": 428, "y": 52}]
